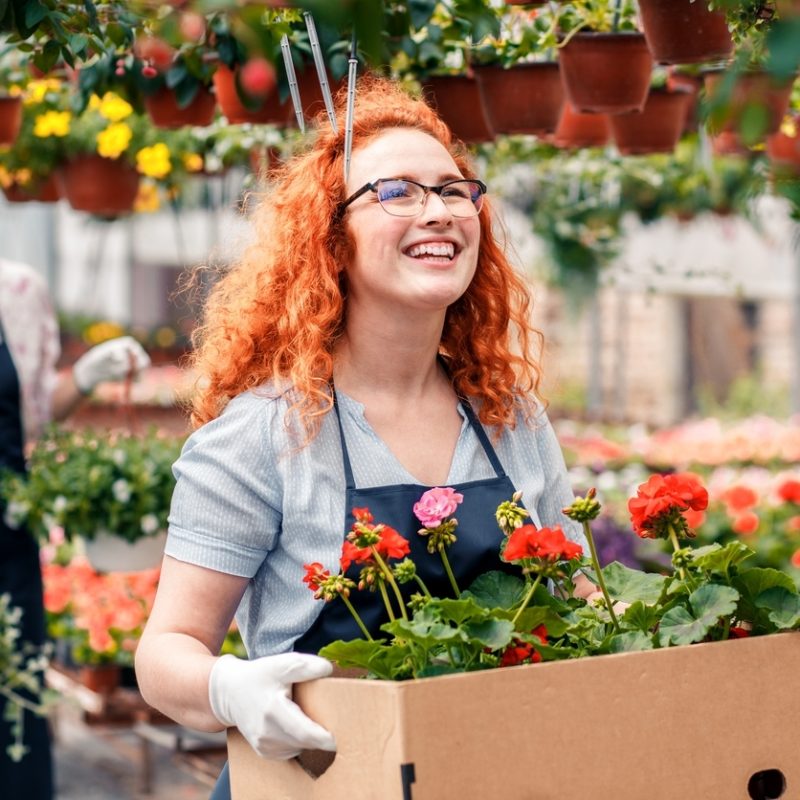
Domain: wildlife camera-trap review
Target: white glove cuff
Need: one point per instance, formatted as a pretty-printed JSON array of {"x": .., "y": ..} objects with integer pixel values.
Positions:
[{"x": 217, "y": 688}]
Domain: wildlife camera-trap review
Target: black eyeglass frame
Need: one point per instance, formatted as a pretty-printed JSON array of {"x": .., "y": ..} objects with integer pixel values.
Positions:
[{"x": 373, "y": 187}]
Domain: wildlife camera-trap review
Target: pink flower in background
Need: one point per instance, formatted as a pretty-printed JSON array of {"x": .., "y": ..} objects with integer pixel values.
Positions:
[{"x": 436, "y": 505}]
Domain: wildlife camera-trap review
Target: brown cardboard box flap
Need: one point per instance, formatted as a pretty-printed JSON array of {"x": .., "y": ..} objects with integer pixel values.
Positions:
[{"x": 684, "y": 723}]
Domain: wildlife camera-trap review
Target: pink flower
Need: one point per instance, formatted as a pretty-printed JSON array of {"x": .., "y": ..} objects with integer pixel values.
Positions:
[{"x": 436, "y": 505}]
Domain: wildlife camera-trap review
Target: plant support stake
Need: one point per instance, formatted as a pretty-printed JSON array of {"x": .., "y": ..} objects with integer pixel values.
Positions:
[
  {"x": 319, "y": 62},
  {"x": 290, "y": 74},
  {"x": 352, "y": 69}
]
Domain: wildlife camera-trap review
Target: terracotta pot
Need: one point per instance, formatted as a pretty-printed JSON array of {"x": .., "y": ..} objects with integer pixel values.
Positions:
[
  {"x": 752, "y": 91},
  {"x": 100, "y": 678},
  {"x": 606, "y": 72},
  {"x": 264, "y": 112},
  {"x": 99, "y": 185},
  {"x": 692, "y": 84},
  {"x": 45, "y": 190},
  {"x": 577, "y": 130},
  {"x": 524, "y": 99},
  {"x": 162, "y": 106},
  {"x": 457, "y": 99},
  {"x": 10, "y": 119},
  {"x": 783, "y": 148},
  {"x": 655, "y": 129},
  {"x": 729, "y": 143},
  {"x": 685, "y": 31}
]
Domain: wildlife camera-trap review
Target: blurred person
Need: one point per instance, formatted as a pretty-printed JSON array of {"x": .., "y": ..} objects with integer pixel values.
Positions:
[
  {"x": 374, "y": 342},
  {"x": 32, "y": 393}
]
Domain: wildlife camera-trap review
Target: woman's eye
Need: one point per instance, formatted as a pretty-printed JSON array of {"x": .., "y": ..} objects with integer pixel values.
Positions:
[{"x": 393, "y": 190}]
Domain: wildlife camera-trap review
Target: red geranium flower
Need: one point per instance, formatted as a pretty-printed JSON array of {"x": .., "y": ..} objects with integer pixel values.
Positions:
[
  {"x": 740, "y": 498},
  {"x": 390, "y": 544},
  {"x": 519, "y": 652},
  {"x": 660, "y": 501},
  {"x": 789, "y": 491},
  {"x": 315, "y": 575},
  {"x": 549, "y": 544}
]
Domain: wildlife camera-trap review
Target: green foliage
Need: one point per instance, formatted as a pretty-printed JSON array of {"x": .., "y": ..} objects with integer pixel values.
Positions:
[{"x": 87, "y": 482}]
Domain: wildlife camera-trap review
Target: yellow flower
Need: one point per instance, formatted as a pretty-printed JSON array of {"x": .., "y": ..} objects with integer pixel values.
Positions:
[
  {"x": 114, "y": 108},
  {"x": 193, "y": 162},
  {"x": 114, "y": 140},
  {"x": 154, "y": 161},
  {"x": 22, "y": 177},
  {"x": 15, "y": 91},
  {"x": 147, "y": 200},
  {"x": 102, "y": 331},
  {"x": 5, "y": 177},
  {"x": 52, "y": 123},
  {"x": 789, "y": 127},
  {"x": 94, "y": 103},
  {"x": 37, "y": 90}
]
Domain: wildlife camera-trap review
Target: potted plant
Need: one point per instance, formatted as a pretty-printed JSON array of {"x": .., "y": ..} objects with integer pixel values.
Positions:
[
  {"x": 520, "y": 92},
  {"x": 658, "y": 126},
  {"x": 576, "y": 130},
  {"x": 112, "y": 490},
  {"x": 605, "y": 61},
  {"x": 27, "y": 168}
]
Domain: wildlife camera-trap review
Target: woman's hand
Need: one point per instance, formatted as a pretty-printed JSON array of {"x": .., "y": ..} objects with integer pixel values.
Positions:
[{"x": 256, "y": 697}]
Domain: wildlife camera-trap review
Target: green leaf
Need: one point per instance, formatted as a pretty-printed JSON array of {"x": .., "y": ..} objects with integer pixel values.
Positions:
[
  {"x": 681, "y": 625},
  {"x": 35, "y": 12},
  {"x": 630, "y": 641},
  {"x": 783, "y": 58},
  {"x": 355, "y": 653},
  {"x": 496, "y": 589},
  {"x": 493, "y": 633},
  {"x": 630, "y": 585},
  {"x": 716, "y": 558},
  {"x": 47, "y": 59},
  {"x": 421, "y": 12},
  {"x": 457, "y": 611},
  {"x": 533, "y": 616},
  {"x": 641, "y": 617},
  {"x": 783, "y": 605},
  {"x": 752, "y": 583}
]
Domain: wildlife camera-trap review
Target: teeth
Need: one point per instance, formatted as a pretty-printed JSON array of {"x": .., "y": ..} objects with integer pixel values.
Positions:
[{"x": 446, "y": 249}]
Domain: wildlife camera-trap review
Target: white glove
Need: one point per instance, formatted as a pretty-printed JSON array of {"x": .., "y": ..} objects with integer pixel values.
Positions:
[
  {"x": 109, "y": 361},
  {"x": 256, "y": 697}
]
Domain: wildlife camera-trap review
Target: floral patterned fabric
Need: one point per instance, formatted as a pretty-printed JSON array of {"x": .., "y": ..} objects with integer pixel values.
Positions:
[{"x": 30, "y": 328}]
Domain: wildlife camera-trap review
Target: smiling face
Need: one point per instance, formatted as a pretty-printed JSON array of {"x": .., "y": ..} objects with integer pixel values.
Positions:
[{"x": 404, "y": 264}]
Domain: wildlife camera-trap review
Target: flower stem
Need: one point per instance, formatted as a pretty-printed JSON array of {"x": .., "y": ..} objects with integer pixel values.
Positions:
[
  {"x": 449, "y": 572},
  {"x": 391, "y": 581},
  {"x": 382, "y": 587},
  {"x": 422, "y": 585},
  {"x": 356, "y": 617},
  {"x": 601, "y": 581},
  {"x": 673, "y": 537},
  {"x": 527, "y": 599}
]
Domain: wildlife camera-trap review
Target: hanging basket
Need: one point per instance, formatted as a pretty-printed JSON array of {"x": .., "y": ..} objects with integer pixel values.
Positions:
[
  {"x": 457, "y": 99},
  {"x": 45, "y": 190},
  {"x": 10, "y": 119},
  {"x": 606, "y": 73},
  {"x": 753, "y": 93},
  {"x": 267, "y": 111},
  {"x": 692, "y": 84},
  {"x": 685, "y": 31},
  {"x": 102, "y": 186},
  {"x": 576, "y": 130},
  {"x": 109, "y": 553},
  {"x": 655, "y": 129},
  {"x": 164, "y": 111},
  {"x": 524, "y": 99}
]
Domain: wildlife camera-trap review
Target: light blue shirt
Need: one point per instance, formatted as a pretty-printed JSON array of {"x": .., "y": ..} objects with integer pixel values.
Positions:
[{"x": 249, "y": 501}]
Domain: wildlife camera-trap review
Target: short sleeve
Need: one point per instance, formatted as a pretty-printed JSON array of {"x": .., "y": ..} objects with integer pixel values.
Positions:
[{"x": 226, "y": 507}]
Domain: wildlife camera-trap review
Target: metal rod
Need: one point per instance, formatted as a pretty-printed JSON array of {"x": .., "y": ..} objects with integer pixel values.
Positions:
[
  {"x": 322, "y": 74},
  {"x": 293, "y": 90},
  {"x": 352, "y": 70}
]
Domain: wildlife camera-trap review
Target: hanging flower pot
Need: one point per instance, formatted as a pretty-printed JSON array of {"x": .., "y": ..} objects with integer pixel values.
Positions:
[
  {"x": 109, "y": 553},
  {"x": 654, "y": 129},
  {"x": 754, "y": 94},
  {"x": 10, "y": 119},
  {"x": 691, "y": 83},
  {"x": 44, "y": 190},
  {"x": 685, "y": 31},
  {"x": 102, "y": 186},
  {"x": 258, "y": 112},
  {"x": 576, "y": 130},
  {"x": 606, "y": 72},
  {"x": 164, "y": 111},
  {"x": 457, "y": 98},
  {"x": 524, "y": 99}
]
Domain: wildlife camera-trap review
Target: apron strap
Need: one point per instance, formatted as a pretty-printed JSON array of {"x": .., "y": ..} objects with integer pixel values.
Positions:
[{"x": 471, "y": 418}]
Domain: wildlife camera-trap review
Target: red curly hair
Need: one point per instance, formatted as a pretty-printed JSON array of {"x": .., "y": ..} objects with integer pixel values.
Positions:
[{"x": 277, "y": 314}]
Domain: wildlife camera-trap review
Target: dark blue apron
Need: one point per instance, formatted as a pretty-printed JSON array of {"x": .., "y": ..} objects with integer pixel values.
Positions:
[
  {"x": 476, "y": 550},
  {"x": 21, "y": 577}
]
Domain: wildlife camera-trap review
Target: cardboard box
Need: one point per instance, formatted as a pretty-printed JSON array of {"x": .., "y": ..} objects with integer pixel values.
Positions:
[{"x": 683, "y": 723}]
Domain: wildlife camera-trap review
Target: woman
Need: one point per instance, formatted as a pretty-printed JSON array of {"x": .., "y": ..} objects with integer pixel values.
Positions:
[
  {"x": 392, "y": 289},
  {"x": 31, "y": 394}
]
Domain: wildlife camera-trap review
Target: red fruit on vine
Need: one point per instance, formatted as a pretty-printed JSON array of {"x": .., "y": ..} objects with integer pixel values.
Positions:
[
  {"x": 155, "y": 52},
  {"x": 192, "y": 26},
  {"x": 257, "y": 77}
]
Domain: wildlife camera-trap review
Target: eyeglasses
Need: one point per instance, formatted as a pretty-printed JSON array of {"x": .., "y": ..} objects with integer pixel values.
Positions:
[{"x": 401, "y": 197}]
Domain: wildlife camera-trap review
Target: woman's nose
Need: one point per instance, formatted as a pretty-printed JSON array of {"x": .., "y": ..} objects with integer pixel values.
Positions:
[{"x": 435, "y": 211}]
